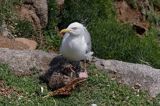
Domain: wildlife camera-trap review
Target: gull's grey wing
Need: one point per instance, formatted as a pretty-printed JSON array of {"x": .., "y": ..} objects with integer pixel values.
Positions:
[{"x": 88, "y": 40}]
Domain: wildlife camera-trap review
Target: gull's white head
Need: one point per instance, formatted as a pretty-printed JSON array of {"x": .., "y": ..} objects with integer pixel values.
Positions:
[{"x": 74, "y": 29}]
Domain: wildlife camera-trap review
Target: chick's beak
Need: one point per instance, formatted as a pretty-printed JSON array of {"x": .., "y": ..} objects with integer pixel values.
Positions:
[{"x": 63, "y": 31}]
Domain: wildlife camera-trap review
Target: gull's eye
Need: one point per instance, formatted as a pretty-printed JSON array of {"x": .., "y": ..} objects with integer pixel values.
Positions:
[{"x": 74, "y": 28}]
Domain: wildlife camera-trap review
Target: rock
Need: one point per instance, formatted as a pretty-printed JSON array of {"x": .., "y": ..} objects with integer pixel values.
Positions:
[
  {"x": 30, "y": 43},
  {"x": 25, "y": 62},
  {"x": 5, "y": 42},
  {"x": 127, "y": 14},
  {"x": 139, "y": 28},
  {"x": 35, "y": 11},
  {"x": 135, "y": 75},
  {"x": 41, "y": 7},
  {"x": 50, "y": 66},
  {"x": 28, "y": 13},
  {"x": 60, "y": 2}
]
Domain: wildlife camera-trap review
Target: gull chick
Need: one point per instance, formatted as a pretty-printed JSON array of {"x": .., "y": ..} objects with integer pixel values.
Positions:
[{"x": 76, "y": 43}]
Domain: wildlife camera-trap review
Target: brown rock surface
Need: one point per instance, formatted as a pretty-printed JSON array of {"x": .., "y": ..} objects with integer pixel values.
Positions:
[
  {"x": 126, "y": 14},
  {"x": 30, "y": 43},
  {"x": 12, "y": 44}
]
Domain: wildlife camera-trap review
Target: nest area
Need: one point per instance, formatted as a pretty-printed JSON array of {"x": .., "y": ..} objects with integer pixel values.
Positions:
[{"x": 62, "y": 74}]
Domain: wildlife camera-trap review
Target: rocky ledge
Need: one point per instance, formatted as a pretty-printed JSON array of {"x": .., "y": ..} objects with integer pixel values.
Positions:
[{"x": 137, "y": 76}]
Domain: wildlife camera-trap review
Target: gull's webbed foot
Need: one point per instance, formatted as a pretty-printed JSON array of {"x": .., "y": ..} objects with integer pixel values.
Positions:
[{"x": 83, "y": 74}]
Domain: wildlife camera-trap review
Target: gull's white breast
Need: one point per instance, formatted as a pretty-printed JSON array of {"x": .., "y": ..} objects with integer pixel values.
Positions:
[{"x": 74, "y": 47}]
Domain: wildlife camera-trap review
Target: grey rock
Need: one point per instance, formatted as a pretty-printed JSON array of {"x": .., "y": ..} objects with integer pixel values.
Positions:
[
  {"x": 60, "y": 2},
  {"x": 143, "y": 76},
  {"x": 22, "y": 62},
  {"x": 41, "y": 8}
]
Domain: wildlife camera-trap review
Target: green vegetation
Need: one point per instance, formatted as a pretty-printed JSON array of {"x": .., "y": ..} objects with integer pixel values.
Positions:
[
  {"x": 24, "y": 28},
  {"x": 6, "y": 11},
  {"x": 21, "y": 28},
  {"x": 97, "y": 89},
  {"x": 155, "y": 3},
  {"x": 52, "y": 39},
  {"x": 111, "y": 39}
]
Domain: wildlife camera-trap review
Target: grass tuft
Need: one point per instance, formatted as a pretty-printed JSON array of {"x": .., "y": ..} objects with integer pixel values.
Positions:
[{"x": 24, "y": 28}]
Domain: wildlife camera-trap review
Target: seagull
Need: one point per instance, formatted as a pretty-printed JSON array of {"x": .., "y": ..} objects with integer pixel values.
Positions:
[{"x": 76, "y": 43}]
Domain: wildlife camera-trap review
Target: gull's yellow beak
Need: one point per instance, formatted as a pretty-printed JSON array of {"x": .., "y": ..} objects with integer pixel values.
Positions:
[{"x": 64, "y": 31}]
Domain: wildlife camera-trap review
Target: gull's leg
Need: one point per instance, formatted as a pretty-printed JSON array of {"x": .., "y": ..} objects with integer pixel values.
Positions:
[
  {"x": 84, "y": 74},
  {"x": 69, "y": 67},
  {"x": 85, "y": 66},
  {"x": 88, "y": 57}
]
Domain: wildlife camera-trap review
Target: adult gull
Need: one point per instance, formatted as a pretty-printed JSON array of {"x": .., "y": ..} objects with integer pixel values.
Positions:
[{"x": 76, "y": 43}]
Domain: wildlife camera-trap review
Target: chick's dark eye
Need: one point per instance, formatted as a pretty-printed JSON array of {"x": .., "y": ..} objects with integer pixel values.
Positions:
[{"x": 74, "y": 28}]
